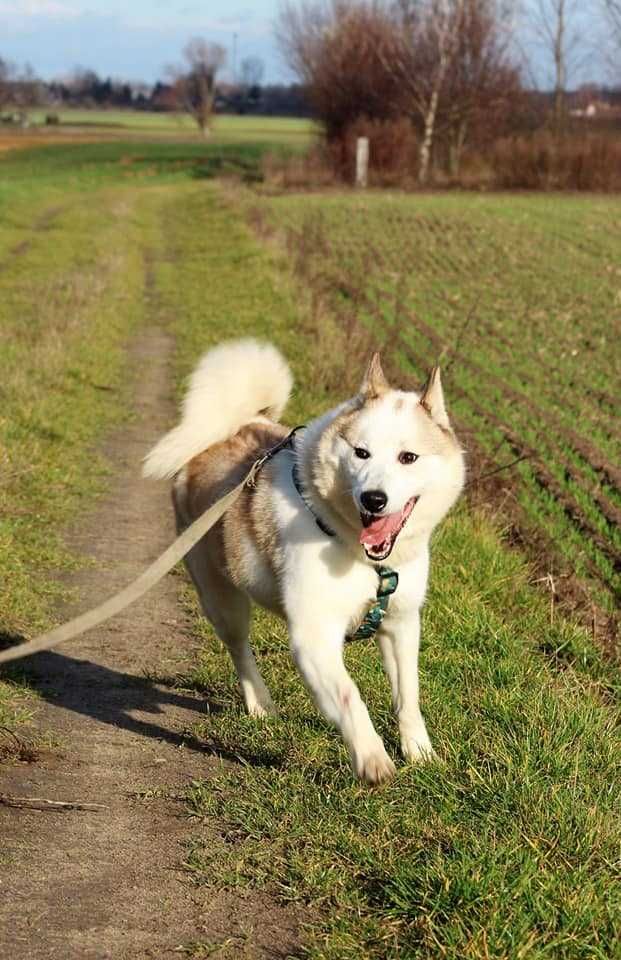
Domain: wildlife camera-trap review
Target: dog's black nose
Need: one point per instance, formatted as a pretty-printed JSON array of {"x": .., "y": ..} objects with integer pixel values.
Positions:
[{"x": 373, "y": 500}]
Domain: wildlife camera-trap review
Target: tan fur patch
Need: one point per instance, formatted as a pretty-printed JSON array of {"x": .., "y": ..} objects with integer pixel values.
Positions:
[{"x": 211, "y": 474}]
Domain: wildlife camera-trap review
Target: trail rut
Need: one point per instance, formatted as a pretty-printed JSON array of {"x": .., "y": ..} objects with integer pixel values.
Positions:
[{"x": 112, "y": 884}]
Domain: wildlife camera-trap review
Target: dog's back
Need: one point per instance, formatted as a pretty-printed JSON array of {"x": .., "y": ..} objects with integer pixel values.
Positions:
[{"x": 217, "y": 470}]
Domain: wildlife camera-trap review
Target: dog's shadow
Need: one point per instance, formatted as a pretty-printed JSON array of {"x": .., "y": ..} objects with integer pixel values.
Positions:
[{"x": 120, "y": 699}]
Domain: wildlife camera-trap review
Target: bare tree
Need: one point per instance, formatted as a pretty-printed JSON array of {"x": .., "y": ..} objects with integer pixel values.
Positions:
[
  {"x": 251, "y": 72},
  {"x": 612, "y": 15},
  {"x": 344, "y": 52},
  {"x": 483, "y": 86},
  {"x": 195, "y": 82},
  {"x": 556, "y": 30},
  {"x": 19, "y": 89},
  {"x": 6, "y": 82},
  {"x": 430, "y": 31},
  {"x": 613, "y": 11}
]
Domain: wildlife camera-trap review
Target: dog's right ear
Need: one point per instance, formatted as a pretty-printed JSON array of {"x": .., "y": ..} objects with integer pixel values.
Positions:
[{"x": 375, "y": 383}]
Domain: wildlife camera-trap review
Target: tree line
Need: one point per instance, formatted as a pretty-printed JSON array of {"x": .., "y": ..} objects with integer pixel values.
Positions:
[{"x": 186, "y": 87}]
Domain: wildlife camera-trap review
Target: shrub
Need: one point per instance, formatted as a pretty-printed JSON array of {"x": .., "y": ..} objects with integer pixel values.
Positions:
[{"x": 546, "y": 162}]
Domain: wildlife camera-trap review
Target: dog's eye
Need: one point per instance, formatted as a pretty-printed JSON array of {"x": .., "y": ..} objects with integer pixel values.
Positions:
[
  {"x": 362, "y": 453},
  {"x": 406, "y": 457}
]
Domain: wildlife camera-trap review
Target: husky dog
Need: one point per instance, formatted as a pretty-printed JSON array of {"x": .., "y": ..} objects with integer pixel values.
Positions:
[{"x": 368, "y": 480}]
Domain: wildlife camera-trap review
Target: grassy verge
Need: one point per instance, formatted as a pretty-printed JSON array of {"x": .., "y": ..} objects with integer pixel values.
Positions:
[
  {"x": 71, "y": 297},
  {"x": 509, "y": 848},
  {"x": 80, "y": 224}
]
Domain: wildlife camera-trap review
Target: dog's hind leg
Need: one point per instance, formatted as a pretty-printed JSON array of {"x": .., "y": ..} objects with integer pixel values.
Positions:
[{"x": 228, "y": 609}]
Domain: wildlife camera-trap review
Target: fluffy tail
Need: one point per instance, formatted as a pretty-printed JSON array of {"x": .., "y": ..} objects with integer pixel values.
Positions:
[{"x": 232, "y": 385}]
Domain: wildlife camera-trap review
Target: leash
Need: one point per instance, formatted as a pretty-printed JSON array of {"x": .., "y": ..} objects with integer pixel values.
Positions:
[
  {"x": 147, "y": 579},
  {"x": 388, "y": 578}
]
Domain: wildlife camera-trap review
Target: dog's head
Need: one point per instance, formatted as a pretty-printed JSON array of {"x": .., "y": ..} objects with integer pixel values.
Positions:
[{"x": 388, "y": 463}]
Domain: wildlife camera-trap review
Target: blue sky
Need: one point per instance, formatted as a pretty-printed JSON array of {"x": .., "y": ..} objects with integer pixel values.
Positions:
[
  {"x": 134, "y": 39},
  {"x": 137, "y": 39}
]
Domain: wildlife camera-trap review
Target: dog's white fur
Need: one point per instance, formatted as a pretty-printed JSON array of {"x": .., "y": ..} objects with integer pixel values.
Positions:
[{"x": 269, "y": 549}]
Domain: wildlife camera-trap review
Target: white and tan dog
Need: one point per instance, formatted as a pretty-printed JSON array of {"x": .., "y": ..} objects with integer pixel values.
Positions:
[{"x": 367, "y": 480}]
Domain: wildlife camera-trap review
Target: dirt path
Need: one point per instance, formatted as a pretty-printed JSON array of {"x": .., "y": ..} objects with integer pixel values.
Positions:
[{"x": 112, "y": 885}]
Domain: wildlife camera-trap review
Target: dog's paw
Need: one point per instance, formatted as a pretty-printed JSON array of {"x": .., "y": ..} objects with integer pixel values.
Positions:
[
  {"x": 418, "y": 749},
  {"x": 374, "y": 767},
  {"x": 265, "y": 709}
]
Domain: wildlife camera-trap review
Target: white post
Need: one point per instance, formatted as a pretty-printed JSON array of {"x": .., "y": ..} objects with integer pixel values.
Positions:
[{"x": 362, "y": 161}]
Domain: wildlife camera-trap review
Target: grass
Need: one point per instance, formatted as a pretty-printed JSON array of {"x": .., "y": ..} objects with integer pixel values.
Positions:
[
  {"x": 138, "y": 126},
  {"x": 508, "y": 848},
  {"x": 224, "y": 125}
]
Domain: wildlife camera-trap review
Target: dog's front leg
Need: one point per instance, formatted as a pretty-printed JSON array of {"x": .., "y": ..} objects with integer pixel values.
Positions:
[
  {"x": 318, "y": 652},
  {"x": 399, "y": 641}
]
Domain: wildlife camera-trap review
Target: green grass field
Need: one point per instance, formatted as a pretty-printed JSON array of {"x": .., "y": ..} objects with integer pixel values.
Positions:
[
  {"x": 522, "y": 296},
  {"x": 115, "y": 123},
  {"x": 510, "y": 847}
]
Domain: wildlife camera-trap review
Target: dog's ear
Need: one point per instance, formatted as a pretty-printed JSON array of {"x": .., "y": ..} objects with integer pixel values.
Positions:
[
  {"x": 375, "y": 383},
  {"x": 432, "y": 399}
]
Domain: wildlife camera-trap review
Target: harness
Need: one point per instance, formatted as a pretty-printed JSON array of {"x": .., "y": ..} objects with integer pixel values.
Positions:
[{"x": 388, "y": 578}]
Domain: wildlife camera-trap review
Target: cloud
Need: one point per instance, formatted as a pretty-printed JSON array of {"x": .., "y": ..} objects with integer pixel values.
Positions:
[
  {"x": 197, "y": 23},
  {"x": 130, "y": 40},
  {"x": 28, "y": 9}
]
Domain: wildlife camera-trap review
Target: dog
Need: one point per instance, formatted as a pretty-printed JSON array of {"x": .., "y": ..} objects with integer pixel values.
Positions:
[{"x": 367, "y": 481}]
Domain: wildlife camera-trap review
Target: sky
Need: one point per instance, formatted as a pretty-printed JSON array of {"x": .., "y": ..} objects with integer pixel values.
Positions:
[{"x": 137, "y": 39}]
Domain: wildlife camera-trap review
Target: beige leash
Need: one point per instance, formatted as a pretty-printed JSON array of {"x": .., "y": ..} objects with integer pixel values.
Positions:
[{"x": 147, "y": 579}]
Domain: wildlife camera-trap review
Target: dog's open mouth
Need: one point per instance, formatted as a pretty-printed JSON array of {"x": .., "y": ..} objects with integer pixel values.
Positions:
[{"x": 378, "y": 534}]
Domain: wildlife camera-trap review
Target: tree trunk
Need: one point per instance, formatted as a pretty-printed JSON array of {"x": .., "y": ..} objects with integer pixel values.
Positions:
[
  {"x": 560, "y": 65},
  {"x": 456, "y": 148},
  {"x": 425, "y": 147}
]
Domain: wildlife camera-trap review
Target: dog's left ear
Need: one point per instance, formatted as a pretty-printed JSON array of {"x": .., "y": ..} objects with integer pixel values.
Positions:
[
  {"x": 375, "y": 383},
  {"x": 432, "y": 399}
]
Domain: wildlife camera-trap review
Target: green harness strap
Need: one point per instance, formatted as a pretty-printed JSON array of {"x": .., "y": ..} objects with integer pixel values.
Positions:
[{"x": 388, "y": 582}]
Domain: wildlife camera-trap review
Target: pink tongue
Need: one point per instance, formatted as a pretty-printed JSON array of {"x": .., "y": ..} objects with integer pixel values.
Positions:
[{"x": 381, "y": 529}]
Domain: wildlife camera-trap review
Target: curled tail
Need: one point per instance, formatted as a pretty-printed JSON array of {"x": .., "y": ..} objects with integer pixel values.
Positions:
[{"x": 232, "y": 385}]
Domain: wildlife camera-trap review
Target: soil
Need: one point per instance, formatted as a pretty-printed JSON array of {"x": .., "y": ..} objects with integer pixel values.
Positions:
[{"x": 111, "y": 884}]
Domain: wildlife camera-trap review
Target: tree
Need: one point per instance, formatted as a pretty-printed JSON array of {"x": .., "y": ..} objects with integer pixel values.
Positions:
[
  {"x": 195, "y": 83},
  {"x": 251, "y": 73},
  {"x": 343, "y": 52},
  {"x": 483, "y": 86},
  {"x": 6, "y": 82},
  {"x": 612, "y": 14},
  {"x": 612, "y": 9},
  {"x": 554, "y": 25},
  {"x": 19, "y": 89},
  {"x": 430, "y": 32}
]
